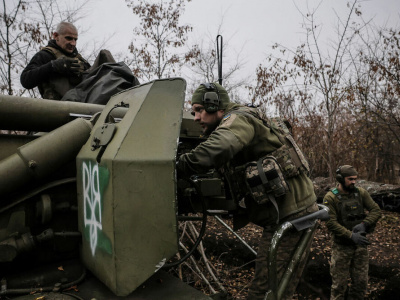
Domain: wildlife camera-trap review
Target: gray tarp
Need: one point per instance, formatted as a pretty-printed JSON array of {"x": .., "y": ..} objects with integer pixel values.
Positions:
[{"x": 101, "y": 83}]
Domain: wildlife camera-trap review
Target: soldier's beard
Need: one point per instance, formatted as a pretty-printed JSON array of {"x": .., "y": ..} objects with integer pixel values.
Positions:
[
  {"x": 349, "y": 188},
  {"x": 210, "y": 128}
]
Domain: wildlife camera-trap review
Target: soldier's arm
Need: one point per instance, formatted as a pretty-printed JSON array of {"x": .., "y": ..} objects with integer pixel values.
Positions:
[
  {"x": 333, "y": 224},
  {"x": 38, "y": 70},
  {"x": 218, "y": 149},
  {"x": 375, "y": 212}
]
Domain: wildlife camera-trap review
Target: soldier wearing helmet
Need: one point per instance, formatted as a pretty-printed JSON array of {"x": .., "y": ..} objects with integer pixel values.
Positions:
[
  {"x": 349, "y": 225},
  {"x": 236, "y": 136}
]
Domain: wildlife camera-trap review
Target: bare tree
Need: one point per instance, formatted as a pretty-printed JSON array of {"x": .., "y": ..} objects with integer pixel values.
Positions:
[
  {"x": 12, "y": 32},
  {"x": 155, "y": 45},
  {"x": 310, "y": 81},
  {"x": 202, "y": 65},
  {"x": 375, "y": 92}
]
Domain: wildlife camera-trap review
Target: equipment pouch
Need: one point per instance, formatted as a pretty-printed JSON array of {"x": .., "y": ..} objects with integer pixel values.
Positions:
[
  {"x": 265, "y": 180},
  {"x": 284, "y": 156}
]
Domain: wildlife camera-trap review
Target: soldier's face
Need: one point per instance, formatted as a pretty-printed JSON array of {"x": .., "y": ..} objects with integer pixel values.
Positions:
[
  {"x": 350, "y": 182},
  {"x": 208, "y": 121},
  {"x": 67, "y": 39}
]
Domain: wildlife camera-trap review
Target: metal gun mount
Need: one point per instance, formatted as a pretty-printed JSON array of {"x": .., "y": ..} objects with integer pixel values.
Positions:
[
  {"x": 307, "y": 224},
  {"x": 92, "y": 187}
]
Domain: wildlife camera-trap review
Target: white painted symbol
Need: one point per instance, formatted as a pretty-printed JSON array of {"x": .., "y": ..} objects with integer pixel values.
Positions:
[{"x": 92, "y": 204}]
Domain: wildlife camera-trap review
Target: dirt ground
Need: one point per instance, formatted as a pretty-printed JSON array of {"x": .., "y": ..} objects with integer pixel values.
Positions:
[{"x": 233, "y": 263}]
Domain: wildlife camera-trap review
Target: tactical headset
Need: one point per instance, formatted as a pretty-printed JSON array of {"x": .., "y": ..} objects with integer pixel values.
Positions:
[
  {"x": 211, "y": 99},
  {"x": 339, "y": 176}
]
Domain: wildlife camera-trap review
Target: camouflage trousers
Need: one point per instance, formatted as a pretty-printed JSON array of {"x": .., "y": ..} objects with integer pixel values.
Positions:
[
  {"x": 349, "y": 261},
  {"x": 259, "y": 286}
]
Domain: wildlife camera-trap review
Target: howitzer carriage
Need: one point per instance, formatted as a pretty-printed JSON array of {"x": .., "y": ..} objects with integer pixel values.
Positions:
[{"x": 95, "y": 188}]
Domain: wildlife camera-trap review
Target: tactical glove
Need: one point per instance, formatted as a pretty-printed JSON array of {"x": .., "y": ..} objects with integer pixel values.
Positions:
[
  {"x": 359, "y": 238},
  {"x": 362, "y": 227},
  {"x": 66, "y": 65}
]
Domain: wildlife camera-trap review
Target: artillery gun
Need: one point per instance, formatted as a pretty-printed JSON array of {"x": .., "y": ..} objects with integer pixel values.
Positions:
[{"x": 90, "y": 202}]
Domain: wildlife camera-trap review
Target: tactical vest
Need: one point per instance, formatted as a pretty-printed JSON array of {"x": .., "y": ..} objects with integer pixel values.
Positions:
[
  {"x": 350, "y": 208},
  {"x": 289, "y": 156},
  {"x": 57, "y": 86},
  {"x": 265, "y": 179}
]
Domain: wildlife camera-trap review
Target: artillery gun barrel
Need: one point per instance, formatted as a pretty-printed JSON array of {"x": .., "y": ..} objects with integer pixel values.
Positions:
[
  {"x": 44, "y": 155},
  {"x": 32, "y": 114}
]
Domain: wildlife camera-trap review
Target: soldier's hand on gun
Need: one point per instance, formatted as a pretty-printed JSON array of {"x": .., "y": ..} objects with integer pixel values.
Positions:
[
  {"x": 359, "y": 238},
  {"x": 65, "y": 65}
]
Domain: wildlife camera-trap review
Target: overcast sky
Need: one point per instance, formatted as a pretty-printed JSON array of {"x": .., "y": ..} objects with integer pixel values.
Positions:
[{"x": 251, "y": 26}]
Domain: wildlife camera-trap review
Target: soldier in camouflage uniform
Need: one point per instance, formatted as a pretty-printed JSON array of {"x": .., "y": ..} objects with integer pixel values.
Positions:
[
  {"x": 236, "y": 136},
  {"x": 349, "y": 225}
]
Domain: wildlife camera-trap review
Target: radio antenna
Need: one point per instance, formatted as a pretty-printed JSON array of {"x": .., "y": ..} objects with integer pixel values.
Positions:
[{"x": 219, "y": 57}]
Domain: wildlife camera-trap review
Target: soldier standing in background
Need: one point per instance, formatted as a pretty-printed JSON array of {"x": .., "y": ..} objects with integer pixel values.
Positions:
[{"x": 349, "y": 225}]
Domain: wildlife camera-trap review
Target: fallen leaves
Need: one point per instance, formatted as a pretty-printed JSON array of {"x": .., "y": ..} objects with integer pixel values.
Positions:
[{"x": 235, "y": 263}]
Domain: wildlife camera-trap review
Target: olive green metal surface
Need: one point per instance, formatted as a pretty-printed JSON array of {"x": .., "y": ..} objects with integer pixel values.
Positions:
[
  {"x": 126, "y": 186},
  {"x": 32, "y": 114},
  {"x": 43, "y": 156}
]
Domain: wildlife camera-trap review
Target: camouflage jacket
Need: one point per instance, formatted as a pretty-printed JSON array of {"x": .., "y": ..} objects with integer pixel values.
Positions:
[
  {"x": 241, "y": 138},
  {"x": 340, "y": 233}
]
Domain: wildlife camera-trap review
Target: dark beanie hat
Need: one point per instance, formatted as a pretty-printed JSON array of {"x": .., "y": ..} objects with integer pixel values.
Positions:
[
  {"x": 198, "y": 94},
  {"x": 347, "y": 170}
]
